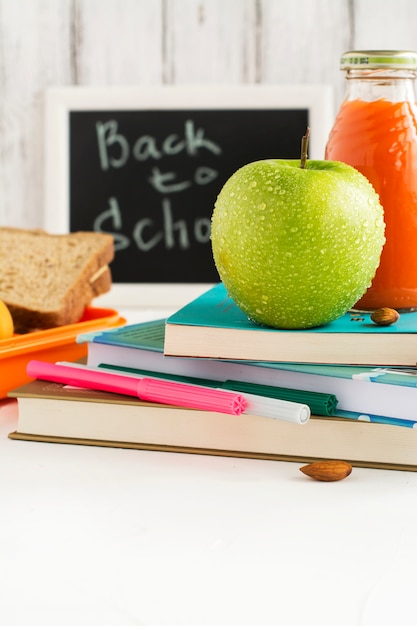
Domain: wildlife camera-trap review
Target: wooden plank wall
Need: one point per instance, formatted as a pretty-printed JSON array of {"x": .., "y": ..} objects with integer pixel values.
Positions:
[{"x": 151, "y": 42}]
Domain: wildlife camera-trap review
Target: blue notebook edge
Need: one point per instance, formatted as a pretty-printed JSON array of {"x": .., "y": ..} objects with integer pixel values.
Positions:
[{"x": 151, "y": 335}]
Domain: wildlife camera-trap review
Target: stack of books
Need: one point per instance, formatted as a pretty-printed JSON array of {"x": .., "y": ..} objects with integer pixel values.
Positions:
[{"x": 359, "y": 381}]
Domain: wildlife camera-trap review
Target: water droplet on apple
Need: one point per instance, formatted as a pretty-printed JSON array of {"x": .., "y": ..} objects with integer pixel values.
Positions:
[
  {"x": 294, "y": 229},
  {"x": 253, "y": 184},
  {"x": 262, "y": 206}
]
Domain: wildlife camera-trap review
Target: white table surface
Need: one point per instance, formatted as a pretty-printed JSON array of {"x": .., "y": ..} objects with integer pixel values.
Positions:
[{"x": 112, "y": 537}]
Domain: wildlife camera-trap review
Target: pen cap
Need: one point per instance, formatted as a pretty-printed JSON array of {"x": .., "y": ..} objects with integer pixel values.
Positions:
[
  {"x": 319, "y": 403},
  {"x": 274, "y": 408}
]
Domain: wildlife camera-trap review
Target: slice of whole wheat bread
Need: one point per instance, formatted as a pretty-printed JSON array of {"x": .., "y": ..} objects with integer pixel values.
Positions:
[{"x": 47, "y": 280}]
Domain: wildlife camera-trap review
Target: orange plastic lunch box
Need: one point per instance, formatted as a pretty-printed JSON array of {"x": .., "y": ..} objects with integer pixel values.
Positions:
[{"x": 54, "y": 344}]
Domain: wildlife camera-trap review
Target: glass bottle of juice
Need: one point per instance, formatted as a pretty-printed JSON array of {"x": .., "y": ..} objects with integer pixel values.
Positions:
[{"x": 376, "y": 132}]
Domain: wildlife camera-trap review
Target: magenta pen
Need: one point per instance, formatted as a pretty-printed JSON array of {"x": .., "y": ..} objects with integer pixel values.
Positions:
[{"x": 151, "y": 390}]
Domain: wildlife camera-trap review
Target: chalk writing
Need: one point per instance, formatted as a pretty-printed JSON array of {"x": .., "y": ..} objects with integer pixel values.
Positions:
[
  {"x": 146, "y": 147},
  {"x": 115, "y": 151},
  {"x": 146, "y": 232},
  {"x": 159, "y": 180}
]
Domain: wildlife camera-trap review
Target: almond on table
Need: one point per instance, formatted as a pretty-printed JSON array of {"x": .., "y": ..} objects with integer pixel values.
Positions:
[{"x": 327, "y": 471}]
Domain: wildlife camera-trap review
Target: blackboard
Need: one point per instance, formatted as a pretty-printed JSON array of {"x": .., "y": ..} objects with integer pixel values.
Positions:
[{"x": 150, "y": 174}]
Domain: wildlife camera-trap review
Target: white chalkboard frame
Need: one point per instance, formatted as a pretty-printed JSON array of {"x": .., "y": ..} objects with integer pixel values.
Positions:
[{"x": 60, "y": 101}]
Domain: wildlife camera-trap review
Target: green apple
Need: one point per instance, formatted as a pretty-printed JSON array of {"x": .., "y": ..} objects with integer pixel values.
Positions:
[{"x": 295, "y": 246}]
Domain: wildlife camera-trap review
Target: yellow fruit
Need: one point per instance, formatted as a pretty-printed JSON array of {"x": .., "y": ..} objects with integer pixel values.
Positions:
[{"x": 6, "y": 322}]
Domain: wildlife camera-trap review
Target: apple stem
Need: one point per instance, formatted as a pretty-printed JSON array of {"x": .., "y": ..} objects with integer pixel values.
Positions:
[{"x": 304, "y": 149}]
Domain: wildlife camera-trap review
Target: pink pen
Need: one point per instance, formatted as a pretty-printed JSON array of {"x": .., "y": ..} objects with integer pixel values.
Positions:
[{"x": 149, "y": 389}]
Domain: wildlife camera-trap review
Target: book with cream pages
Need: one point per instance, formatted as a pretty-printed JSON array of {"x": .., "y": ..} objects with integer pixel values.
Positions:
[
  {"x": 55, "y": 413},
  {"x": 213, "y": 326}
]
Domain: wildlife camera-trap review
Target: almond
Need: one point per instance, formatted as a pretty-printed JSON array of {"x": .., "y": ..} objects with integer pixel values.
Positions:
[
  {"x": 385, "y": 316},
  {"x": 327, "y": 471}
]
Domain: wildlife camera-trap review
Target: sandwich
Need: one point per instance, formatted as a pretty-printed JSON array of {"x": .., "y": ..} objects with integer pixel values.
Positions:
[{"x": 48, "y": 280}]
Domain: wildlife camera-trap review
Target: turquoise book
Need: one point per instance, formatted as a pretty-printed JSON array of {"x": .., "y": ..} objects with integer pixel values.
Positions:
[
  {"x": 213, "y": 326},
  {"x": 365, "y": 391}
]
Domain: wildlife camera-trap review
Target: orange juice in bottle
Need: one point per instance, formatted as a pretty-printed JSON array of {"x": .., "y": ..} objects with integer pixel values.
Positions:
[{"x": 375, "y": 131}]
